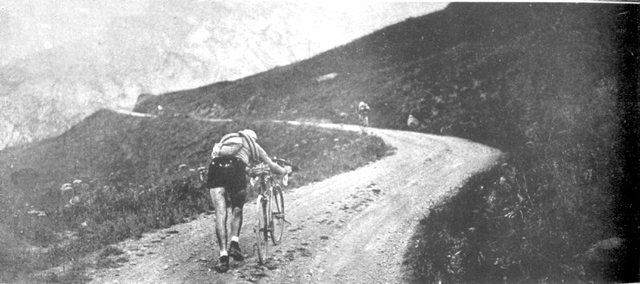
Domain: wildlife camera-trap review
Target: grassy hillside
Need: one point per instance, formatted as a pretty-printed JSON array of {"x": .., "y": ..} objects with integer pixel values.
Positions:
[
  {"x": 555, "y": 110},
  {"x": 130, "y": 182},
  {"x": 541, "y": 82},
  {"x": 410, "y": 67}
]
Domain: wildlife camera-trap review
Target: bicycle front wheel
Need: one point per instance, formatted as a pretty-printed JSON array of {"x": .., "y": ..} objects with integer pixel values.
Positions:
[
  {"x": 262, "y": 229},
  {"x": 277, "y": 213}
]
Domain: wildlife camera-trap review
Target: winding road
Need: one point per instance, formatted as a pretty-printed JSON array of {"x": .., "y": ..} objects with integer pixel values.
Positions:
[{"x": 351, "y": 228}]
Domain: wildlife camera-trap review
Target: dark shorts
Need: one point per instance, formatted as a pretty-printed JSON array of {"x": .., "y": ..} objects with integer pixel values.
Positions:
[{"x": 230, "y": 174}]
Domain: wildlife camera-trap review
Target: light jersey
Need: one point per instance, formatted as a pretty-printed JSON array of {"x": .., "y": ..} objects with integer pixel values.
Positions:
[{"x": 245, "y": 152}]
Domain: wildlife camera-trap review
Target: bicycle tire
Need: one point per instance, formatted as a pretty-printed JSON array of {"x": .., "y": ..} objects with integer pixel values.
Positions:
[
  {"x": 262, "y": 229},
  {"x": 277, "y": 215}
]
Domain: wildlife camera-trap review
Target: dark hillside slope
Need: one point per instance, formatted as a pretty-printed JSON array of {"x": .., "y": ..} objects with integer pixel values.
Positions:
[
  {"x": 431, "y": 66},
  {"x": 118, "y": 149},
  {"x": 363, "y": 66},
  {"x": 111, "y": 147},
  {"x": 539, "y": 81},
  {"x": 196, "y": 101}
]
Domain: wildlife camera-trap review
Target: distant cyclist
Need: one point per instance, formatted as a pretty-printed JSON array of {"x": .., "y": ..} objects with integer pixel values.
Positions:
[
  {"x": 227, "y": 184},
  {"x": 363, "y": 113},
  {"x": 412, "y": 122}
]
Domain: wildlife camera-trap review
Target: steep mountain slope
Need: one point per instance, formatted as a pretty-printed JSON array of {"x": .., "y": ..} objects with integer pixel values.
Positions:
[
  {"x": 458, "y": 64},
  {"x": 160, "y": 46},
  {"x": 371, "y": 59}
]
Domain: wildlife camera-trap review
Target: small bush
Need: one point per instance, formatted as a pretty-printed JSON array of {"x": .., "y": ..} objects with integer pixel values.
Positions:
[{"x": 110, "y": 250}]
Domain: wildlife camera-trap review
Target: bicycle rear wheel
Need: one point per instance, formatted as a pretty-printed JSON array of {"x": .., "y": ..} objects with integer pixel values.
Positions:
[
  {"x": 262, "y": 229},
  {"x": 277, "y": 214}
]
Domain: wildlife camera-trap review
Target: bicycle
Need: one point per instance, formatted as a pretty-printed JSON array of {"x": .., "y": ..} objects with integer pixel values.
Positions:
[{"x": 270, "y": 207}]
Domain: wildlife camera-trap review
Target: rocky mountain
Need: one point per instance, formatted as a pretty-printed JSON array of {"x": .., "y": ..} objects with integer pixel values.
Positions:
[{"x": 170, "y": 46}]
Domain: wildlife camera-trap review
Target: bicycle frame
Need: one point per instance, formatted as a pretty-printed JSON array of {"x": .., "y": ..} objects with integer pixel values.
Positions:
[{"x": 265, "y": 180}]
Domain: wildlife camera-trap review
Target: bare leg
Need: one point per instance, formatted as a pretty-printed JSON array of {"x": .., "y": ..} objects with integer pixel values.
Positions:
[
  {"x": 236, "y": 221},
  {"x": 219, "y": 203}
]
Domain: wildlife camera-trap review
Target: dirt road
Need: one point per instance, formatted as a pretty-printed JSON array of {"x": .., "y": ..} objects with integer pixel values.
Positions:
[{"x": 351, "y": 228}]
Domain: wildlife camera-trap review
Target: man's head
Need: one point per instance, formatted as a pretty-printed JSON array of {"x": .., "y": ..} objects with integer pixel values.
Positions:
[{"x": 249, "y": 133}]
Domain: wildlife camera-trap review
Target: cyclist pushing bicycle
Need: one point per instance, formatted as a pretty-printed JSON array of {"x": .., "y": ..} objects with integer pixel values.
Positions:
[{"x": 227, "y": 184}]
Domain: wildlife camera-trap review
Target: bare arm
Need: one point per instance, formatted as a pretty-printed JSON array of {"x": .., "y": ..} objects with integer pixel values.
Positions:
[{"x": 275, "y": 168}]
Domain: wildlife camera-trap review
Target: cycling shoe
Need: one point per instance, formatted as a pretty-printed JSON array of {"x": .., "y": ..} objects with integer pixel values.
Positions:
[
  {"x": 235, "y": 252},
  {"x": 224, "y": 263}
]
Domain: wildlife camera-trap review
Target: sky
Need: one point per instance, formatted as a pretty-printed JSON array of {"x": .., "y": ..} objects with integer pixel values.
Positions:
[{"x": 31, "y": 26}]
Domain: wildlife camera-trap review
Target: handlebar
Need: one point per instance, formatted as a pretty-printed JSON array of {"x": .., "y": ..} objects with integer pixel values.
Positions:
[
  {"x": 259, "y": 170},
  {"x": 263, "y": 169}
]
